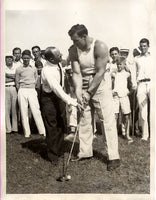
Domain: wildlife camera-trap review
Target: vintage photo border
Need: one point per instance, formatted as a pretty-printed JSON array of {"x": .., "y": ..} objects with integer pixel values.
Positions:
[{"x": 4, "y": 6}]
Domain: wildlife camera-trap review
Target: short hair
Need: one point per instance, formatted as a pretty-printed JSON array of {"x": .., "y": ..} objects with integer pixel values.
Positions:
[
  {"x": 114, "y": 49},
  {"x": 120, "y": 59},
  {"x": 26, "y": 52},
  {"x": 144, "y": 40},
  {"x": 36, "y": 47},
  {"x": 15, "y": 49},
  {"x": 9, "y": 56},
  {"x": 80, "y": 29}
]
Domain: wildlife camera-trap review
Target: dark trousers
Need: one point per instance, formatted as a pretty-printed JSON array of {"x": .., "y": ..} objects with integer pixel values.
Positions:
[{"x": 53, "y": 113}]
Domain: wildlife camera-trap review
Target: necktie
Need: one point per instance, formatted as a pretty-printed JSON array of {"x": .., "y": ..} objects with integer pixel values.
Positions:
[{"x": 61, "y": 75}]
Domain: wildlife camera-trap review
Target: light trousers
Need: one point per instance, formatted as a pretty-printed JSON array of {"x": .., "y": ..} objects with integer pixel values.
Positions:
[
  {"x": 102, "y": 103},
  {"x": 143, "y": 95},
  {"x": 28, "y": 96},
  {"x": 11, "y": 109}
]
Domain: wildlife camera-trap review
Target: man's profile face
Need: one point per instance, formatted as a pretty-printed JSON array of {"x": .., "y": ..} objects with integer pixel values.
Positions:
[
  {"x": 36, "y": 52},
  {"x": 144, "y": 47},
  {"x": 9, "y": 61},
  {"x": 114, "y": 55},
  {"x": 26, "y": 59},
  {"x": 17, "y": 54},
  {"x": 80, "y": 42}
]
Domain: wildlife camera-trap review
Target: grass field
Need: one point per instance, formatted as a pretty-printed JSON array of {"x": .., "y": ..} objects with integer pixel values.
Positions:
[{"x": 29, "y": 171}]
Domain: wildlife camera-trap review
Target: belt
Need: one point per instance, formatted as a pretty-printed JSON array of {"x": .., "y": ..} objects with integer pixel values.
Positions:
[
  {"x": 10, "y": 86},
  {"x": 145, "y": 80}
]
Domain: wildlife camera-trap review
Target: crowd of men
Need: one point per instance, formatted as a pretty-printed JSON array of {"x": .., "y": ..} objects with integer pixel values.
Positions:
[{"x": 93, "y": 82}]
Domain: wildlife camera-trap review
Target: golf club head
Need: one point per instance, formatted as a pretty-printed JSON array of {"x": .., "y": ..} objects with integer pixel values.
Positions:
[{"x": 63, "y": 178}]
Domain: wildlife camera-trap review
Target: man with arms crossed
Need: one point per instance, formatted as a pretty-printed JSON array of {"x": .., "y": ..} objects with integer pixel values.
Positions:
[{"x": 93, "y": 86}]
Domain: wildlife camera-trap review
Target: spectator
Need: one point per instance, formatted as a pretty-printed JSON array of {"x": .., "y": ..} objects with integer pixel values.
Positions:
[
  {"x": 11, "y": 121},
  {"x": 26, "y": 78},
  {"x": 17, "y": 57},
  {"x": 144, "y": 74},
  {"x": 120, "y": 93}
]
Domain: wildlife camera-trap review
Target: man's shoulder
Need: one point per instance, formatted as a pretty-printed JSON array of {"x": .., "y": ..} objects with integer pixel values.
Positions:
[
  {"x": 73, "y": 55},
  {"x": 100, "y": 48},
  {"x": 19, "y": 68}
]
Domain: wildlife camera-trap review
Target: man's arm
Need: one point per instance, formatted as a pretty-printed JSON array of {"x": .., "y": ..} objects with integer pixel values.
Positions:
[
  {"x": 12, "y": 76},
  {"x": 77, "y": 80},
  {"x": 57, "y": 89},
  {"x": 17, "y": 78},
  {"x": 35, "y": 75},
  {"x": 77, "y": 77},
  {"x": 101, "y": 60}
]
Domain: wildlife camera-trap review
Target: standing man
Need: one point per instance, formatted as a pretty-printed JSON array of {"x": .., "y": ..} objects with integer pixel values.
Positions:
[
  {"x": 36, "y": 51},
  {"x": 53, "y": 99},
  {"x": 144, "y": 74},
  {"x": 26, "y": 78},
  {"x": 17, "y": 57},
  {"x": 11, "y": 96},
  {"x": 93, "y": 86}
]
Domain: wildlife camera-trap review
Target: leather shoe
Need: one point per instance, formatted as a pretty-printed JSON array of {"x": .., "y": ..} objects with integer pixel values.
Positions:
[
  {"x": 113, "y": 164},
  {"x": 77, "y": 158}
]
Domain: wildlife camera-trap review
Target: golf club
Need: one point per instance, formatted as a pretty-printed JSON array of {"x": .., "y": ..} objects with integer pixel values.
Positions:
[{"x": 64, "y": 176}]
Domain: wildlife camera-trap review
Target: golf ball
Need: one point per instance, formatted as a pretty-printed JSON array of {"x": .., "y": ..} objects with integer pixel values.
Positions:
[{"x": 68, "y": 177}]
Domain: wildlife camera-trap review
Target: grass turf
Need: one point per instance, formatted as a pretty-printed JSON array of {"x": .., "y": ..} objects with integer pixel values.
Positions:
[{"x": 30, "y": 172}]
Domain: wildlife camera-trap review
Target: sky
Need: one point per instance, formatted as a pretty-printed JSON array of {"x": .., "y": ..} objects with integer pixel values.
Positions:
[{"x": 46, "y": 23}]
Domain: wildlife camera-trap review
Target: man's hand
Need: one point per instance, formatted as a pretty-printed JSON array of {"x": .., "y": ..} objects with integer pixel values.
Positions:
[
  {"x": 86, "y": 98},
  {"x": 115, "y": 94}
]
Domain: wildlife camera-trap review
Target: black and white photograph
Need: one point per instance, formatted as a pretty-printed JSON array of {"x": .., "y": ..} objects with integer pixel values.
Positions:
[{"x": 78, "y": 99}]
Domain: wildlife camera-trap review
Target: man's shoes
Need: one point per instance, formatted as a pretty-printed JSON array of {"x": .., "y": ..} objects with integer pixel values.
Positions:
[
  {"x": 70, "y": 137},
  {"x": 52, "y": 157},
  {"x": 27, "y": 136},
  {"x": 144, "y": 139},
  {"x": 43, "y": 136},
  {"x": 113, "y": 164},
  {"x": 77, "y": 158}
]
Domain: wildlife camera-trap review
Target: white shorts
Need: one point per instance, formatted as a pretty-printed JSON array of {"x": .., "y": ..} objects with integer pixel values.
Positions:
[{"x": 122, "y": 102}]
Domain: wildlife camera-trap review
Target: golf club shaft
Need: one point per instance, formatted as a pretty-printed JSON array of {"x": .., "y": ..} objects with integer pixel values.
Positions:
[{"x": 71, "y": 150}]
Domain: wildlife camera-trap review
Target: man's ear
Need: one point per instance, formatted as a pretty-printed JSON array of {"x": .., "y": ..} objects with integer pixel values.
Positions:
[{"x": 84, "y": 36}]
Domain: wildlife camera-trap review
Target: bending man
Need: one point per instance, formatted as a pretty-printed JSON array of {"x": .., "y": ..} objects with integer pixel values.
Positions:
[{"x": 93, "y": 89}]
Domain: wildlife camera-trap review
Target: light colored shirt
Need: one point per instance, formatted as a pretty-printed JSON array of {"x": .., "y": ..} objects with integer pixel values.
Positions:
[
  {"x": 120, "y": 85},
  {"x": 51, "y": 79},
  {"x": 10, "y": 71},
  {"x": 17, "y": 63},
  {"x": 144, "y": 66},
  {"x": 87, "y": 61},
  {"x": 26, "y": 77},
  {"x": 112, "y": 67}
]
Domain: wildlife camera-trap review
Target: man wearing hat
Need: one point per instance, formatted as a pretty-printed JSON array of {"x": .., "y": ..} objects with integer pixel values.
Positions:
[
  {"x": 26, "y": 78},
  {"x": 11, "y": 96}
]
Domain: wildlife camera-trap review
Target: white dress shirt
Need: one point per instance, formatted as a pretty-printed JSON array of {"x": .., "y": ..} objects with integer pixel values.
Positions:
[
  {"x": 144, "y": 66},
  {"x": 50, "y": 77}
]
